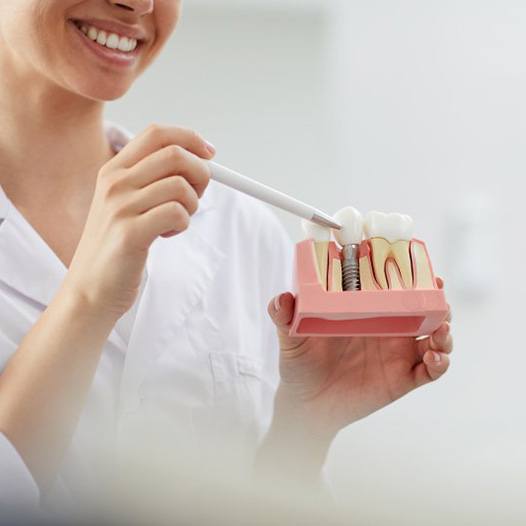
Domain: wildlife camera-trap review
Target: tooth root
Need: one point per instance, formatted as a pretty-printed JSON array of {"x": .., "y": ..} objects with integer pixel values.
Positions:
[
  {"x": 367, "y": 280},
  {"x": 321, "y": 257},
  {"x": 335, "y": 276},
  {"x": 334, "y": 272},
  {"x": 402, "y": 256},
  {"x": 393, "y": 275},
  {"x": 423, "y": 272},
  {"x": 381, "y": 249}
]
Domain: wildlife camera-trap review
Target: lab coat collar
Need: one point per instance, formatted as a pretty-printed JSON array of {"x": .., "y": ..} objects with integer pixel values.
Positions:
[
  {"x": 27, "y": 264},
  {"x": 4, "y": 205}
]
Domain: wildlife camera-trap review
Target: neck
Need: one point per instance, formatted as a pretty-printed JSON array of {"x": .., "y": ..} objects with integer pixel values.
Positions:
[{"x": 52, "y": 141}]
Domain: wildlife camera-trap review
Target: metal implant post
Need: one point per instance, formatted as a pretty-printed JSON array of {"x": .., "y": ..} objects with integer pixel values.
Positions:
[
  {"x": 349, "y": 238},
  {"x": 351, "y": 267}
]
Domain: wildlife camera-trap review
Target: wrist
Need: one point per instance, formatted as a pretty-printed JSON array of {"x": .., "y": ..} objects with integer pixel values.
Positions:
[
  {"x": 85, "y": 307},
  {"x": 295, "y": 447}
]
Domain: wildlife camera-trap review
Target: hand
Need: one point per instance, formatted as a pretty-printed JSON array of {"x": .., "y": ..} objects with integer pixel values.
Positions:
[
  {"x": 328, "y": 383},
  {"x": 149, "y": 189}
]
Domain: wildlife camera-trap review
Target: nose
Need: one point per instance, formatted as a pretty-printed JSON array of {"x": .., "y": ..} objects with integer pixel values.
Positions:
[{"x": 139, "y": 7}]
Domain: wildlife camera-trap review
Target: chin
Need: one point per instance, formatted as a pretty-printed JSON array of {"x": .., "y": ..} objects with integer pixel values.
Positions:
[{"x": 100, "y": 91}]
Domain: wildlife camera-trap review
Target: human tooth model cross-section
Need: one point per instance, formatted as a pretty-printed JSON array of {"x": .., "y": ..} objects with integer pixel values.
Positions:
[
  {"x": 373, "y": 279},
  {"x": 379, "y": 252}
]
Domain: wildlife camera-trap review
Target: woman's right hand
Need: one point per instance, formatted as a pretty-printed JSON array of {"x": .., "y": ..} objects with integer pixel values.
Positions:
[{"x": 151, "y": 188}]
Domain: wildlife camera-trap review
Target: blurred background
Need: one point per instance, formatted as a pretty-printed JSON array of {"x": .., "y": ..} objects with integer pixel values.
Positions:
[{"x": 396, "y": 105}]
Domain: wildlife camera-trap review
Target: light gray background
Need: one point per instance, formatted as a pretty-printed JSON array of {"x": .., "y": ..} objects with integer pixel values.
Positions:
[{"x": 397, "y": 105}]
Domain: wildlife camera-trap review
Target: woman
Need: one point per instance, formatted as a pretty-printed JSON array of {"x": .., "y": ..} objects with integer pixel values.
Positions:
[{"x": 111, "y": 335}]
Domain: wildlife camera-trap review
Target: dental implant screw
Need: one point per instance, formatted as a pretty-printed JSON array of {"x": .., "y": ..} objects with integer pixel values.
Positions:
[{"x": 351, "y": 267}]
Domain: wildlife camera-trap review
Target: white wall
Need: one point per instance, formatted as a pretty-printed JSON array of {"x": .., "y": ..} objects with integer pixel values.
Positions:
[{"x": 415, "y": 106}]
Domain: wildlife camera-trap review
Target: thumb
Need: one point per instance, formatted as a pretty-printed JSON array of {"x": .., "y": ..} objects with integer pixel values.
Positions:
[{"x": 281, "y": 311}]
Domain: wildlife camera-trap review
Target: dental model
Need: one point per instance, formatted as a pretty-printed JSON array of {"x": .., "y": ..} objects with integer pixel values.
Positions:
[
  {"x": 392, "y": 287},
  {"x": 389, "y": 236},
  {"x": 350, "y": 237},
  {"x": 320, "y": 237}
]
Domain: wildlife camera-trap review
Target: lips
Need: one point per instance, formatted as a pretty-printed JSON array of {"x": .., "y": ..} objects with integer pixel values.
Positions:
[{"x": 119, "y": 50}]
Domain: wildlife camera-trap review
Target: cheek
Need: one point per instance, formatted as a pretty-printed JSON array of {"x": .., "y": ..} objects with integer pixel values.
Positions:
[
  {"x": 27, "y": 32},
  {"x": 166, "y": 19}
]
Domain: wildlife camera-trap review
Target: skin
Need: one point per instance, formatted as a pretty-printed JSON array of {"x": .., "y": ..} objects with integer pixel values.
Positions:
[
  {"x": 108, "y": 209},
  {"x": 329, "y": 383}
]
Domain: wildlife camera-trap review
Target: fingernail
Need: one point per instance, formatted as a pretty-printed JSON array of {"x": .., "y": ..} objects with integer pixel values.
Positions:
[
  {"x": 277, "y": 303},
  {"x": 436, "y": 357},
  {"x": 210, "y": 147}
]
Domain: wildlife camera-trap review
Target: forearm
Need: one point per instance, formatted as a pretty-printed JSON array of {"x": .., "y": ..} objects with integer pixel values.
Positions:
[
  {"x": 295, "y": 449},
  {"x": 44, "y": 385}
]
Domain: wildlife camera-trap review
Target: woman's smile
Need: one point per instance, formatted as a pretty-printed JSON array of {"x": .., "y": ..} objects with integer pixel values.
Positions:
[{"x": 112, "y": 42}]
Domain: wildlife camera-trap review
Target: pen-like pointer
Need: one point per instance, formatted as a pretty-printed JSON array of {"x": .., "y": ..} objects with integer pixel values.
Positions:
[{"x": 269, "y": 195}]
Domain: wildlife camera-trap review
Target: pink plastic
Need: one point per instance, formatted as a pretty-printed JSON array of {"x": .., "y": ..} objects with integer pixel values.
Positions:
[{"x": 379, "y": 313}]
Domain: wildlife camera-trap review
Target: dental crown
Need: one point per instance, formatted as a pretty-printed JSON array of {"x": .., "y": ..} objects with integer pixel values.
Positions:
[
  {"x": 391, "y": 227},
  {"x": 352, "y": 226}
]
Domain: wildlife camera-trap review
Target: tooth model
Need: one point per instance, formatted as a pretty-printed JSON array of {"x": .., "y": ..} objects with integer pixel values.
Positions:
[
  {"x": 350, "y": 237},
  {"x": 390, "y": 236},
  {"x": 398, "y": 294},
  {"x": 321, "y": 237}
]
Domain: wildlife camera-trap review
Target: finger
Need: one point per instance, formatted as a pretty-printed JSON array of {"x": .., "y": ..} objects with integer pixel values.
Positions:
[
  {"x": 164, "y": 220},
  {"x": 441, "y": 340},
  {"x": 174, "y": 188},
  {"x": 172, "y": 160},
  {"x": 440, "y": 283},
  {"x": 281, "y": 311},
  {"x": 433, "y": 366},
  {"x": 157, "y": 137}
]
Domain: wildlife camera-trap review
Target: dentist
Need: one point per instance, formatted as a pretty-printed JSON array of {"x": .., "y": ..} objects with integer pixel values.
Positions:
[{"x": 133, "y": 293}]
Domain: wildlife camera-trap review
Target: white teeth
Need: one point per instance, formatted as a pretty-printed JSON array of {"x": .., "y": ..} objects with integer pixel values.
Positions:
[
  {"x": 92, "y": 33},
  {"x": 391, "y": 227},
  {"x": 101, "y": 38},
  {"x": 124, "y": 44},
  {"x": 111, "y": 41},
  {"x": 315, "y": 232},
  {"x": 352, "y": 223}
]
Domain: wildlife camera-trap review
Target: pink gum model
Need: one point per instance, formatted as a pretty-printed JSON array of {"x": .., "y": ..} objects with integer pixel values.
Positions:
[{"x": 380, "y": 313}]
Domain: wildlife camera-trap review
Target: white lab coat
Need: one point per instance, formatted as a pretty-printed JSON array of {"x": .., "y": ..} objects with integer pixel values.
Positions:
[{"x": 195, "y": 361}]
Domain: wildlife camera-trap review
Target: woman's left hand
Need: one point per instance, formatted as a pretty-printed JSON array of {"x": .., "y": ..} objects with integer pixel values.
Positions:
[{"x": 328, "y": 383}]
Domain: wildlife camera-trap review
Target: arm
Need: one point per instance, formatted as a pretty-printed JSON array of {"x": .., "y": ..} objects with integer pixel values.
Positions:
[
  {"x": 45, "y": 383},
  {"x": 150, "y": 189},
  {"x": 18, "y": 490}
]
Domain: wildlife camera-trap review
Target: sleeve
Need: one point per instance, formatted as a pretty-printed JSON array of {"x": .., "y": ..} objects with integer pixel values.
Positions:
[{"x": 18, "y": 490}]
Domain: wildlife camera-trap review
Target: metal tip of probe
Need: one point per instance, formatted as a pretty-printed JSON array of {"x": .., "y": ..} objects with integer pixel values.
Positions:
[{"x": 325, "y": 220}]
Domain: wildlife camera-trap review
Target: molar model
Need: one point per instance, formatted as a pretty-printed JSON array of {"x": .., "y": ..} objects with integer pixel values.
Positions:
[
  {"x": 387, "y": 288},
  {"x": 390, "y": 259}
]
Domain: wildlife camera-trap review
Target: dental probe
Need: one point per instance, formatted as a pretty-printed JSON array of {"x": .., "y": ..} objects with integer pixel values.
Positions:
[{"x": 269, "y": 195}]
